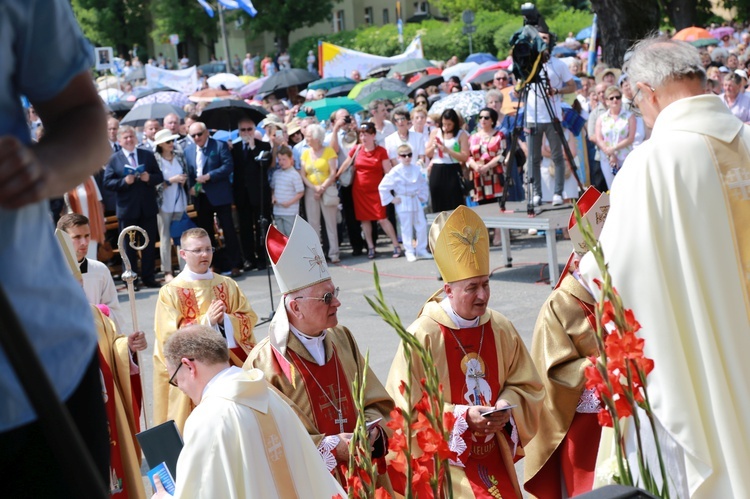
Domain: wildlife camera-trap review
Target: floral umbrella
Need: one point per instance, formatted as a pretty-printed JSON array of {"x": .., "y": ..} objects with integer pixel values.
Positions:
[
  {"x": 175, "y": 98},
  {"x": 467, "y": 104}
]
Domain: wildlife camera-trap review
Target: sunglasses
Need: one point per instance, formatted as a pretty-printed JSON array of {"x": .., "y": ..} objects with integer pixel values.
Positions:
[
  {"x": 501, "y": 78},
  {"x": 246, "y": 129},
  {"x": 326, "y": 298},
  {"x": 406, "y": 155},
  {"x": 616, "y": 97},
  {"x": 483, "y": 117},
  {"x": 194, "y": 135}
]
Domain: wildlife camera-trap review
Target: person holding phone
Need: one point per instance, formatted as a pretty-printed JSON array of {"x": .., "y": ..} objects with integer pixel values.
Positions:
[
  {"x": 484, "y": 363},
  {"x": 449, "y": 149}
]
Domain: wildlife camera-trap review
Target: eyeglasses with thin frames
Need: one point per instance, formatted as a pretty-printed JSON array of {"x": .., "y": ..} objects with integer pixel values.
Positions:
[
  {"x": 326, "y": 298},
  {"x": 171, "y": 379},
  {"x": 200, "y": 251}
]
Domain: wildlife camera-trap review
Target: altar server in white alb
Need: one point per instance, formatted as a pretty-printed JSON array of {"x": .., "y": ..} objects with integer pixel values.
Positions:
[
  {"x": 677, "y": 242},
  {"x": 407, "y": 189}
]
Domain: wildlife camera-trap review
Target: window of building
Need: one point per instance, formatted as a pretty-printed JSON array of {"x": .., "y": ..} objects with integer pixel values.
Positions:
[
  {"x": 338, "y": 21},
  {"x": 386, "y": 16},
  {"x": 421, "y": 7},
  {"x": 368, "y": 16}
]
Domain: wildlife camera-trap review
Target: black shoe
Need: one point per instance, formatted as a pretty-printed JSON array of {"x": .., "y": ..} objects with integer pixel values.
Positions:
[
  {"x": 250, "y": 265},
  {"x": 151, "y": 284},
  {"x": 357, "y": 252}
]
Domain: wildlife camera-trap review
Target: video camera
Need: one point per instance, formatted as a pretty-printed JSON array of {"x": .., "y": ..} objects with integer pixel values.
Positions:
[{"x": 528, "y": 50}]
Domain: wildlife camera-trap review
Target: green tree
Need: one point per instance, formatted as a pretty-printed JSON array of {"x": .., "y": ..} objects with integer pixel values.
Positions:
[
  {"x": 115, "y": 23},
  {"x": 281, "y": 17},
  {"x": 187, "y": 19},
  {"x": 623, "y": 22}
]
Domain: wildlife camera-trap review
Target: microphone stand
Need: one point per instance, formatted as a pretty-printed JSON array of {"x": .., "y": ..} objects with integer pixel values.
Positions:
[{"x": 265, "y": 158}]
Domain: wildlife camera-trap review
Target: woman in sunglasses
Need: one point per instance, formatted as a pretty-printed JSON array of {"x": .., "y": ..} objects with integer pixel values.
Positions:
[
  {"x": 371, "y": 163},
  {"x": 615, "y": 131}
]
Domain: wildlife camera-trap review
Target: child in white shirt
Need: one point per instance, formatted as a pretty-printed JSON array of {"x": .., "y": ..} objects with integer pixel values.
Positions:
[
  {"x": 411, "y": 190},
  {"x": 287, "y": 190}
]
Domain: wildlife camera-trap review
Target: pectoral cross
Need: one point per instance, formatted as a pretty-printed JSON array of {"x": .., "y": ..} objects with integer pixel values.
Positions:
[{"x": 340, "y": 421}]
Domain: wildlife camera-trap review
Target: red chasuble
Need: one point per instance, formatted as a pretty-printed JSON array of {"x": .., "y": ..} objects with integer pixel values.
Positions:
[
  {"x": 326, "y": 417},
  {"x": 475, "y": 380},
  {"x": 116, "y": 484}
]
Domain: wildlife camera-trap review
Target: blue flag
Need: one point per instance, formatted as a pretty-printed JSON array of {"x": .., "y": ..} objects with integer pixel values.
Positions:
[
  {"x": 209, "y": 10},
  {"x": 248, "y": 7}
]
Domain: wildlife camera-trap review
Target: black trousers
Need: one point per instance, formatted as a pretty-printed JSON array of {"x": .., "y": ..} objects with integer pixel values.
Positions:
[
  {"x": 148, "y": 254},
  {"x": 252, "y": 233},
  {"x": 30, "y": 468},
  {"x": 353, "y": 227},
  {"x": 205, "y": 220}
]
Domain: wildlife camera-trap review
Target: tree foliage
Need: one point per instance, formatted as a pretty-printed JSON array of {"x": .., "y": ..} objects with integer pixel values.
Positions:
[
  {"x": 187, "y": 19},
  {"x": 115, "y": 23},
  {"x": 622, "y": 23},
  {"x": 281, "y": 17}
]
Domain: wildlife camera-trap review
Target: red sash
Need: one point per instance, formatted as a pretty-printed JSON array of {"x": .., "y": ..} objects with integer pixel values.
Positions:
[
  {"x": 116, "y": 485},
  {"x": 324, "y": 414},
  {"x": 484, "y": 465}
]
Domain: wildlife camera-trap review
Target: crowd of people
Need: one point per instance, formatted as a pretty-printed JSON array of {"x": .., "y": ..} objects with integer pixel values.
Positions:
[{"x": 274, "y": 418}]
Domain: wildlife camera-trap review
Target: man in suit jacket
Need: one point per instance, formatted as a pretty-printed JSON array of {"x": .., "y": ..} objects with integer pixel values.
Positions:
[
  {"x": 249, "y": 175},
  {"x": 136, "y": 197},
  {"x": 210, "y": 168}
]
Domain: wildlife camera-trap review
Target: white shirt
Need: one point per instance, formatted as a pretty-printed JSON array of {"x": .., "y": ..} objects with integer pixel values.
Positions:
[
  {"x": 414, "y": 139},
  {"x": 174, "y": 199},
  {"x": 313, "y": 344},
  {"x": 200, "y": 160},
  {"x": 558, "y": 74}
]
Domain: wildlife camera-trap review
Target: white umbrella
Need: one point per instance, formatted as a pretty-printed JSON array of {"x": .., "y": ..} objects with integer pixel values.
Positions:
[
  {"x": 461, "y": 69},
  {"x": 110, "y": 94},
  {"x": 227, "y": 80}
]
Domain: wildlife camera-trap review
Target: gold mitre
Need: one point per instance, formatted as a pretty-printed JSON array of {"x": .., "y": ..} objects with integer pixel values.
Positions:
[{"x": 460, "y": 244}]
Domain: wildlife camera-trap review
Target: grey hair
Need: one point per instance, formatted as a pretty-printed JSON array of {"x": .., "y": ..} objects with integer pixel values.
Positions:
[
  {"x": 656, "y": 61},
  {"x": 497, "y": 94},
  {"x": 316, "y": 132}
]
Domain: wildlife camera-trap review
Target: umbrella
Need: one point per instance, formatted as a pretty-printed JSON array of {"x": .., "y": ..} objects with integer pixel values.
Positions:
[
  {"x": 467, "y": 104},
  {"x": 328, "y": 83},
  {"x": 287, "y": 78},
  {"x": 380, "y": 71},
  {"x": 251, "y": 88},
  {"x": 226, "y": 80},
  {"x": 177, "y": 99},
  {"x": 359, "y": 86},
  {"x": 487, "y": 67},
  {"x": 691, "y": 34},
  {"x": 562, "y": 51},
  {"x": 461, "y": 69},
  {"x": 146, "y": 91},
  {"x": 210, "y": 95},
  {"x": 389, "y": 84},
  {"x": 120, "y": 108},
  {"x": 139, "y": 115},
  {"x": 226, "y": 114},
  {"x": 110, "y": 94},
  {"x": 584, "y": 33},
  {"x": 722, "y": 31},
  {"x": 704, "y": 42},
  {"x": 481, "y": 58},
  {"x": 410, "y": 66},
  {"x": 482, "y": 78},
  {"x": 424, "y": 82},
  {"x": 391, "y": 95},
  {"x": 136, "y": 74},
  {"x": 324, "y": 108},
  {"x": 245, "y": 79},
  {"x": 340, "y": 91}
]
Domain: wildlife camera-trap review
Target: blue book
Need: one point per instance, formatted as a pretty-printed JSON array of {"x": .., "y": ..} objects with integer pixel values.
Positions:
[
  {"x": 164, "y": 475},
  {"x": 129, "y": 170}
]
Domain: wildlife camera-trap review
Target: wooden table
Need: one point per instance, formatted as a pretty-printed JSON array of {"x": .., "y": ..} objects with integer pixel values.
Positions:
[{"x": 548, "y": 221}]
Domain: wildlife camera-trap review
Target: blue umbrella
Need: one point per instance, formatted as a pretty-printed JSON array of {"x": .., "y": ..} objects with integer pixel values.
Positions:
[
  {"x": 481, "y": 58},
  {"x": 583, "y": 34},
  {"x": 324, "y": 108},
  {"x": 562, "y": 51},
  {"x": 328, "y": 83}
]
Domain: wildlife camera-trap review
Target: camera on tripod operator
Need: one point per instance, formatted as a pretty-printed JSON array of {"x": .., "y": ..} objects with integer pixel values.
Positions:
[{"x": 528, "y": 49}]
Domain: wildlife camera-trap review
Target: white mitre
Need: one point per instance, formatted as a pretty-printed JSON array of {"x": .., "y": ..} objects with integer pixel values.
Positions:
[{"x": 298, "y": 262}]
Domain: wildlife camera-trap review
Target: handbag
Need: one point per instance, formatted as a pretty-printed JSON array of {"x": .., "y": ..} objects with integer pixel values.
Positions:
[
  {"x": 346, "y": 177},
  {"x": 331, "y": 196},
  {"x": 177, "y": 227},
  {"x": 467, "y": 184}
]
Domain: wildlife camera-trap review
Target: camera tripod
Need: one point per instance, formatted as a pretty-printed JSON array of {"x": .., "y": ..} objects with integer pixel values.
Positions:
[{"x": 542, "y": 93}]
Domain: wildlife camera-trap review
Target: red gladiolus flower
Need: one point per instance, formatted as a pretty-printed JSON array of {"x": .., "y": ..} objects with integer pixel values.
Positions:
[
  {"x": 421, "y": 423},
  {"x": 381, "y": 493},
  {"x": 605, "y": 418},
  {"x": 398, "y": 463},
  {"x": 397, "y": 420},
  {"x": 397, "y": 442},
  {"x": 423, "y": 406}
]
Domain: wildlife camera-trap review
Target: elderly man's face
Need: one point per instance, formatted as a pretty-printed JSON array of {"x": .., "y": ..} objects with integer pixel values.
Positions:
[
  {"x": 199, "y": 134},
  {"x": 247, "y": 130},
  {"x": 469, "y": 297},
  {"x": 314, "y": 315},
  {"x": 501, "y": 80},
  {"x": 172, "y": 123},
  {"x": 112, "y": 127}
]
